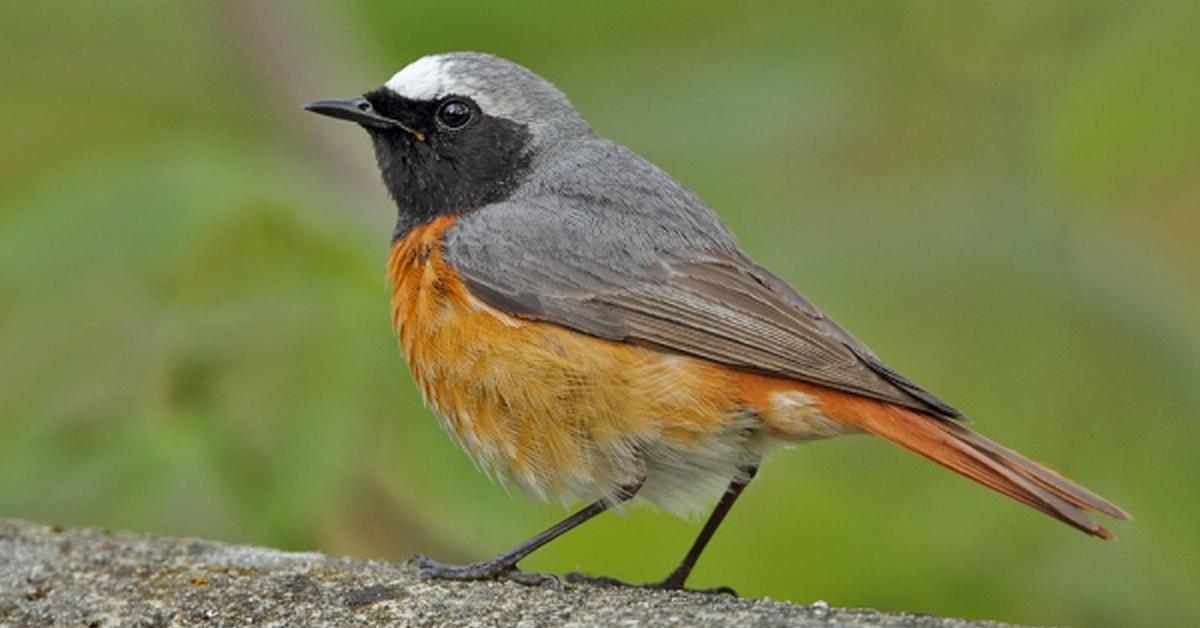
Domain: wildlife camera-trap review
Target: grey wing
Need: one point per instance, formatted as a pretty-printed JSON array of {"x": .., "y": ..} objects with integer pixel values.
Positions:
[{"x": 672, "y": 279}]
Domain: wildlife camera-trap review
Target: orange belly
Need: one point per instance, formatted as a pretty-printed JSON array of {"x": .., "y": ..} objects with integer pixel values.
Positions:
[{"x": 568, "y": 415}]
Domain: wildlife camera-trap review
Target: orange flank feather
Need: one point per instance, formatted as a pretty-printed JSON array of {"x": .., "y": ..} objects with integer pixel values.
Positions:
[
  {"x": 561, "y": 413},
  {"x": 566, "y": 414}
]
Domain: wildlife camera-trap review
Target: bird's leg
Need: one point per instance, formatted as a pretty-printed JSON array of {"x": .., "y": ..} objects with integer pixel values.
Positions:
[
  {"x": 677, "y": 578},
  {"x": 504, "y": 564}
]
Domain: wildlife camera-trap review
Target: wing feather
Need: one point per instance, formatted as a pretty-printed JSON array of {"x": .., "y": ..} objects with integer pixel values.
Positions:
[{"x": 606, "y": 244}]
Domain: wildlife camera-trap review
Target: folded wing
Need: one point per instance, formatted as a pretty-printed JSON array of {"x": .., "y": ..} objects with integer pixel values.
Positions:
[{"x": 666, "y": 288}]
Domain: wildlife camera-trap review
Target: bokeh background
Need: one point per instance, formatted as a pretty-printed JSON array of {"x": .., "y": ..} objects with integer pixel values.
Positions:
[{"x": 1003, "y": 199}]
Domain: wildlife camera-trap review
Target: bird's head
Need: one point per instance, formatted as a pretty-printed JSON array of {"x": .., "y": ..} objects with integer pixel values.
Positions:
[{"x": 456, "y": 131}]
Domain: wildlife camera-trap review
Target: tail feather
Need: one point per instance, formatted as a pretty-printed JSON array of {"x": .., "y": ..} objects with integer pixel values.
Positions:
[
  {"x": 1045, "y": 476},
  {"x": 994, "y": 466}
]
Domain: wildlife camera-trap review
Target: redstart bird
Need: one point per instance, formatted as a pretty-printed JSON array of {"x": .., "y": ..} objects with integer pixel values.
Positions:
[{"x": 587, "y": 327}]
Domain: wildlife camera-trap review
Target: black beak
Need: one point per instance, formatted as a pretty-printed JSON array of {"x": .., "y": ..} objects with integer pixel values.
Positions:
[{"x": 358, "y": 110}]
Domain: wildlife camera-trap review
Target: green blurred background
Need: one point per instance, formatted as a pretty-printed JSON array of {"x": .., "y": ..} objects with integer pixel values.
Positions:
[{"x": 1001, "y": 198}]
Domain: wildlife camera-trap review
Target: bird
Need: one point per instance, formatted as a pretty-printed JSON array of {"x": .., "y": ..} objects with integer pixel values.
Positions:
[{"x": 587, "y": 328}]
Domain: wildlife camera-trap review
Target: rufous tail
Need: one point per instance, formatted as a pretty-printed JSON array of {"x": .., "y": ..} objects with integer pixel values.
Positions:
[{"x": 994, "y": 466}]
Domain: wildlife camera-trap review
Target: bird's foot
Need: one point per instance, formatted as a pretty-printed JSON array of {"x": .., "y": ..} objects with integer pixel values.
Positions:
[
  {"x": 486, "y": 570},
  {"x": 666, "y": 584}
]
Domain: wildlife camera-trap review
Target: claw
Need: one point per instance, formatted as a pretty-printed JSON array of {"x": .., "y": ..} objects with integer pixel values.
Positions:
[
  {"x": 576, "y": 577},
  {"x": 430, "y": 569},
  {"x": 721, "y": 590},
  {"x": 533, "y": 579},
  {"x": 665, "y": 585}
]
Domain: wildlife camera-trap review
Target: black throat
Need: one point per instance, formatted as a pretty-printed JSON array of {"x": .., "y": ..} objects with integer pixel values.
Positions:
[{"x": 452, "y": 171}]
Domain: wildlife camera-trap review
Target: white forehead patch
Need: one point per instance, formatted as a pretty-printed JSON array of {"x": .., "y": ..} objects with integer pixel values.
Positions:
[
  {"x": 433, "y": 77},
  {"x": 501, "y": 88},
  {"x": 423, "y": 79}
]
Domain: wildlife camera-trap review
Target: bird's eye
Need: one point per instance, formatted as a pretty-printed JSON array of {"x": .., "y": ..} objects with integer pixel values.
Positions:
[{"x": 454, "y": 114}]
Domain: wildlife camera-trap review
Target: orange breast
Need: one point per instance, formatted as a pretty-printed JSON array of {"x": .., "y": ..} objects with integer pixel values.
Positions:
[{"x": 570, "y": 415}]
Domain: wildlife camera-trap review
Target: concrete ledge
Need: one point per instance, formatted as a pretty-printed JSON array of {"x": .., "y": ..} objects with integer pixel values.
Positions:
[{"x": 86, "y": 577}]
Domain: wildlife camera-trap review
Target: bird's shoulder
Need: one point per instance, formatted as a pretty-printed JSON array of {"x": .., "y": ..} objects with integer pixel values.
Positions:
[{"x": 592, "y": 199}]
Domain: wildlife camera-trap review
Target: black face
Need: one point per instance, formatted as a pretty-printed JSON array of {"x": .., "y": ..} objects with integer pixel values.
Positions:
[{"x": 466, "y": 158}]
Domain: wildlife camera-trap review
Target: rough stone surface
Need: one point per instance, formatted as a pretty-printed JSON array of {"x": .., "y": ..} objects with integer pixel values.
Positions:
[{"x": 85, "y": 577}]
